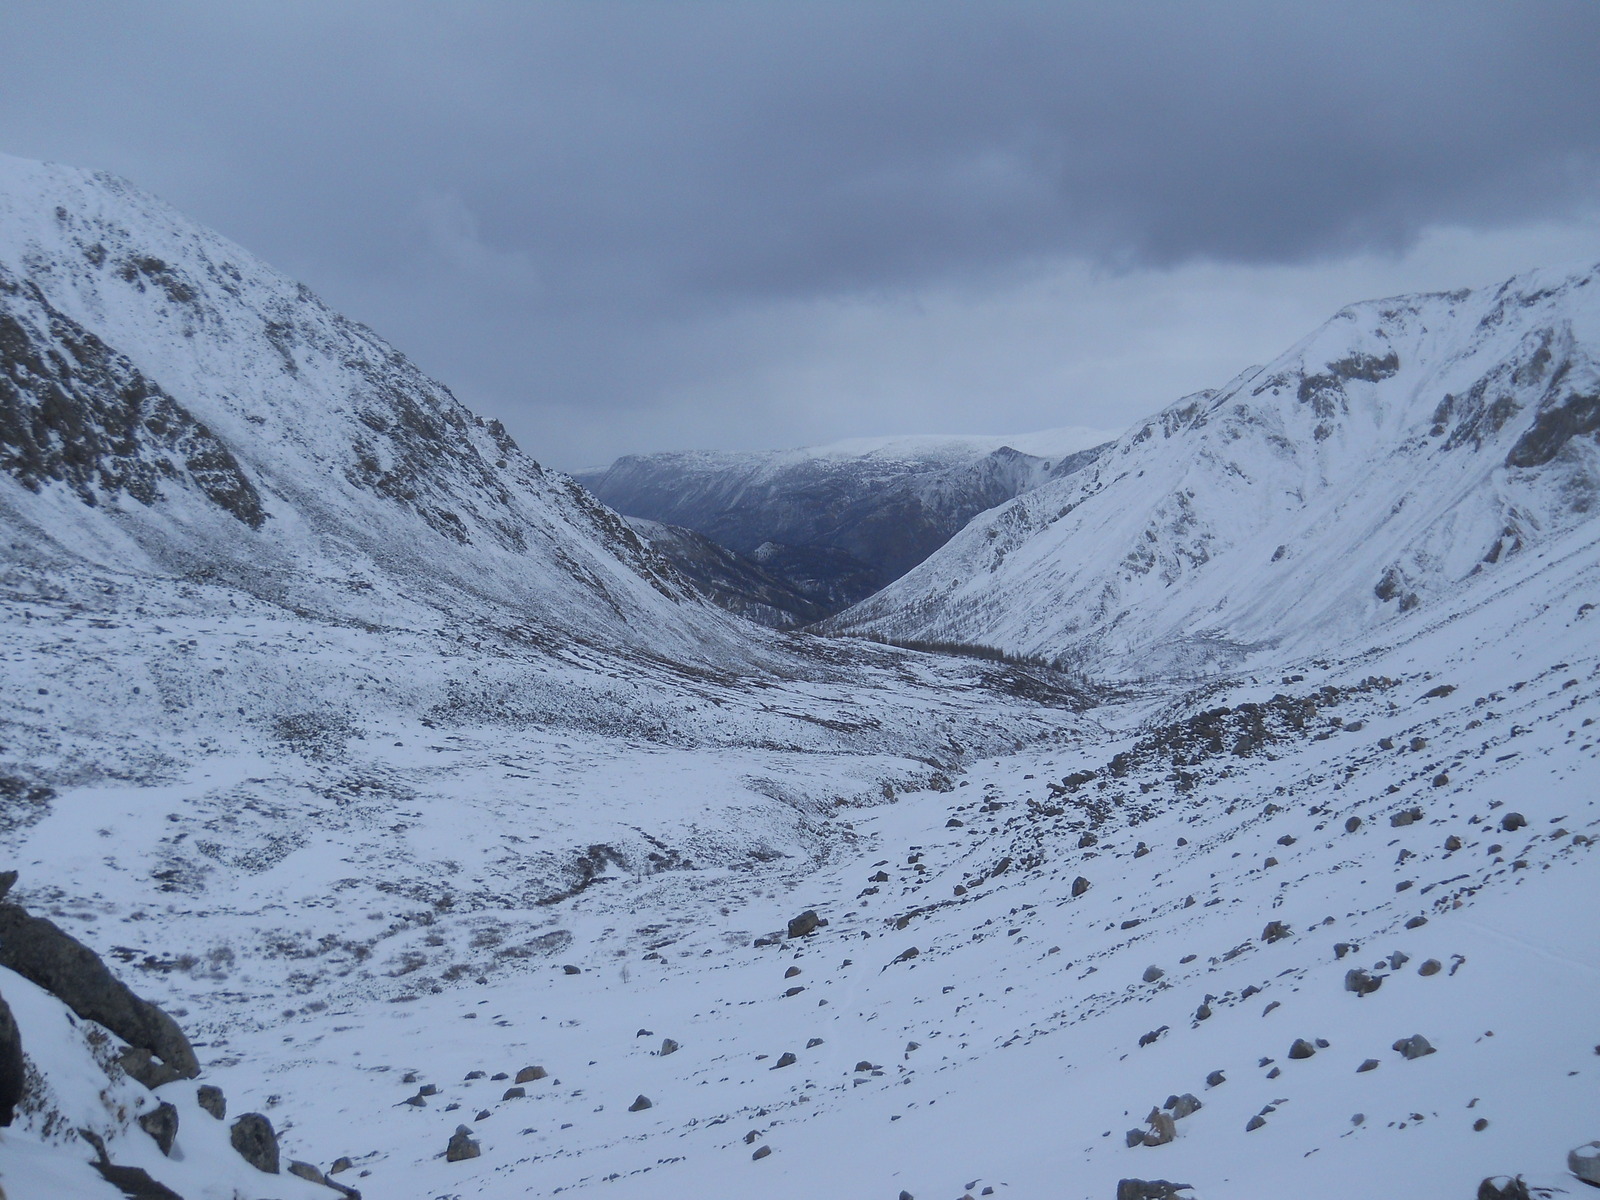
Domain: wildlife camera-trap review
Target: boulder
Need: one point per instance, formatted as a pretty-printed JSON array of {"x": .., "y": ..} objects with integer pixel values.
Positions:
[
  {"x": 1162, "y": 1129},
  {"x": 212, "y": 1100},
  {"x": 41, "y": 953},
  {"x": 1358, "y": 981},
  {"x": 144, "y": 1067},
  {"x": 12, "y": 1077},
  {"x": 256, "y": 1141},
  {"x": 1415, "y": 1046},
  {"x": 1513, "y": 821},
  {"x": 514, "y": 1093},
  {"x": 1503, "y": 1187},
  {"x": 1274, "y": 931},
  {"x": 461, "y": 1146},
  {"x": 760, "y": 1153},
  {"x": 1182, "y": 1106},
  {"x": 640, "y": 1103},
  {"x": 135, "y": 1182},
  {"x": 1080, "y": 885},
  {"x": 1301, "y": 1049},
  {"x": 1584, "y": 1162},
  {"x": 161, "y": 1123},
  {"x": 806, "y": 923},
  {"x": 529, "y": 1074},
  {"x": 308, "y": 1172},
  {"x": 1152, "y": 973},
  {"x": 1215, "y": 1079},
  {"x": 1149, "y": 1189}
]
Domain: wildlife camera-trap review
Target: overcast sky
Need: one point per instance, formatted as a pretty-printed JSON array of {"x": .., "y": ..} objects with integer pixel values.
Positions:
[{"x": 629, "y": 227}]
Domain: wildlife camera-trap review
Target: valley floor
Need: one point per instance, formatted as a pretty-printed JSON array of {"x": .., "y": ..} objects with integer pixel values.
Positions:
[{"x": 963, "y": 1021}]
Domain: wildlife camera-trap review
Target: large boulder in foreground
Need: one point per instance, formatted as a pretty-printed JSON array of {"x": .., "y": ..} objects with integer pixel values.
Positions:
[{"x": 41, "y": 953}]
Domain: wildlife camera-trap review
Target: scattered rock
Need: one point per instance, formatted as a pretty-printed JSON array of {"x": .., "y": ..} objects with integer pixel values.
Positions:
[
  {"x": 1431, "y": 967},
  {"x": 1301, "y": 1049},
  {"x": 907, "y": 955},
  {"x": 1353, "y": 824},
  {"x": 161, "y": 1123},
  {"x": 805, "y": 924},
  {"x": 529, "y": 1074},
  {"x": 760, "y": 1153},
  {"x": 212, "y": 1100},
  {"x": 1408, "y": 816},
  {"x": 514, "y": 1093},
  {"x": 784, "y": 1060},
  {"x": 791, "y": 972},
  {"x": 462, "y": 1146},
  {"x": 1415, "y": 1046},
  {"x": 1370, "y": 1064},
  {"x": 1274, "y": 931},
  {"x": 1584, "y": 1162},
  {"x": 253, "y": 1137},
  {"x": 1452, "y": 843},
  {"x": 1513, "y": 821},
  {"x": 1254, "y": 1123},
  {"x": 1416, "y": 922},
  {"x": 1215, "y": 1079},
  {"x": 569, "y": 969},
  {"x": 1503, "y": 1187},
  {"x": 1162, "y": 1128},
  {"x": 1080, "y": 885},
  {"x": 1358, "y": 981},
  {"x": 308, "y": 1172},
  {"x": 144, "y": 1067},
  {"x": 134, "y": 1182},
  {"x": 342, "y": 1163},
  {"x": 1152, "y": 973},
  {"x": 640, "y": 1103},
  {"x": 1182, "y": 1106},
  {"x": 1149, "y": 1189},
  {"x": 1480, "y": 1125}
]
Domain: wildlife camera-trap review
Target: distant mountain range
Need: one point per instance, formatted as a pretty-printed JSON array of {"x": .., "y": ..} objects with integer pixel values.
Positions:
[{"x": 835, "y": 523}]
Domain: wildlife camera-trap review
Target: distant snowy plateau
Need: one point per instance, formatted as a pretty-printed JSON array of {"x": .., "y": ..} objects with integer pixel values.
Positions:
[{"x": 1248, "y": 852}]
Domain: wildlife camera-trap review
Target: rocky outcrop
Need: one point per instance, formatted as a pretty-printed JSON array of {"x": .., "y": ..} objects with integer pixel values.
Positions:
[
  {"x": 41, "y": 953},
  {"x": 12, "y": 1078}
]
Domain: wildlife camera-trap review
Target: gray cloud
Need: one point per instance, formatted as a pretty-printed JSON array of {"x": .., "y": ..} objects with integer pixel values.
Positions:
[{"x": 569, "y": 211}]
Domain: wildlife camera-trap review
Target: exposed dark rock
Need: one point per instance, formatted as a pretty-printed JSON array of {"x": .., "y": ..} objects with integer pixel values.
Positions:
[
  {"x": 161, "y": 1123},
  {"x": 529, "y": 1074},
  {"x": 1370, "y": 1064},
  {"x": 1431, "y": 967},
  {"x": 760, "y": 1153},
  {"x": 13, "y": 1079},
  {"x": 1513, "y": 821},
  {"x": 1080, "y": 885},
  {"x": 461, "y": 1145},
  {"x": 308, "y": 1172},
  {"x": 144, "y": 1067},
  {"x": 1504, "y": 1187},
  {"x": 1215, "y": 1079},
  {"x": 1152, "y": 973},
  {"x": 1415, "y": 1046},
  {"x": 135, "y": 1183},
  {"x": 640, "y": 1103},
  {"x": 41, "y": 953},
  {"x": 1358, "y": 981},
  {"x": 1352, "y": 824},
  {"x": 784, "y": 1060},
  {"x": 1584, "y": 1162},
  {"x": 1275, "y": 931},
  {"x": 1149, "y": 1189},
  {"x": 806, "y": 923},
  {"x": 1301, "y": 1049},
  {"x": 253, "y": 1137},
  {"x": 514, "y": 1093},
  {"x": 1182, "y": 1106}
]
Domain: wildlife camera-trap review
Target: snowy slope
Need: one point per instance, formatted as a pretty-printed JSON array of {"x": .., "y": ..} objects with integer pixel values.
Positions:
[
  {"x": 1022, "y": 1040},
  {"x": 1405, "y": 446},
  {"x": 728, "y": 579},
  {"x": 171, "y": 405},
  {"x": 839, "y": 521}
]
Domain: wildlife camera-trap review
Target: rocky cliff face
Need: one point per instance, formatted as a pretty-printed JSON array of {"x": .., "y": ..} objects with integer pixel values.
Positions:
[
  {"x": 1404, "y": 447},
  {"x": 838, "y": 522}
]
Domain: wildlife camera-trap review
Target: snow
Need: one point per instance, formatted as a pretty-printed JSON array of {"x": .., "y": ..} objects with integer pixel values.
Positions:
[
  {"x": 1265, "y": 518},
  {"x": 349, "y": 833}
]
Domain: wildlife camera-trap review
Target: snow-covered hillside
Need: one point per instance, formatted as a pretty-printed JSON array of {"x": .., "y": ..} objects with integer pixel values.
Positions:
[
  {"x": 1404, "y": 447},
  {"x": 839, "y": 521},
  {"x": 171, "y": 405},
  {"x": 483, "y": 858}
]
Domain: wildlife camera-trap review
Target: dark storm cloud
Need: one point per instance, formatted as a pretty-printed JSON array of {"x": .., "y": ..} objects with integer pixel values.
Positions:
[{"x": 552, "y": 205}]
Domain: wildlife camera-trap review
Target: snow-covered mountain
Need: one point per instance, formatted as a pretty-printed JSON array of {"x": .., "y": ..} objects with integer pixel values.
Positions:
[
  {"x": 479, "y": 857},
  {"x": 1404, "y": 447},
  {"x": 840, "y": 521},
  {"x": 172, "y": 405}
]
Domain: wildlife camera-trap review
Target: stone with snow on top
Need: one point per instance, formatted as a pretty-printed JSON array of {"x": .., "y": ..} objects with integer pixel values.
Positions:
[
  {"x": 1504, "y": 1187},
  {"x": 1584, "y": 1162}
]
